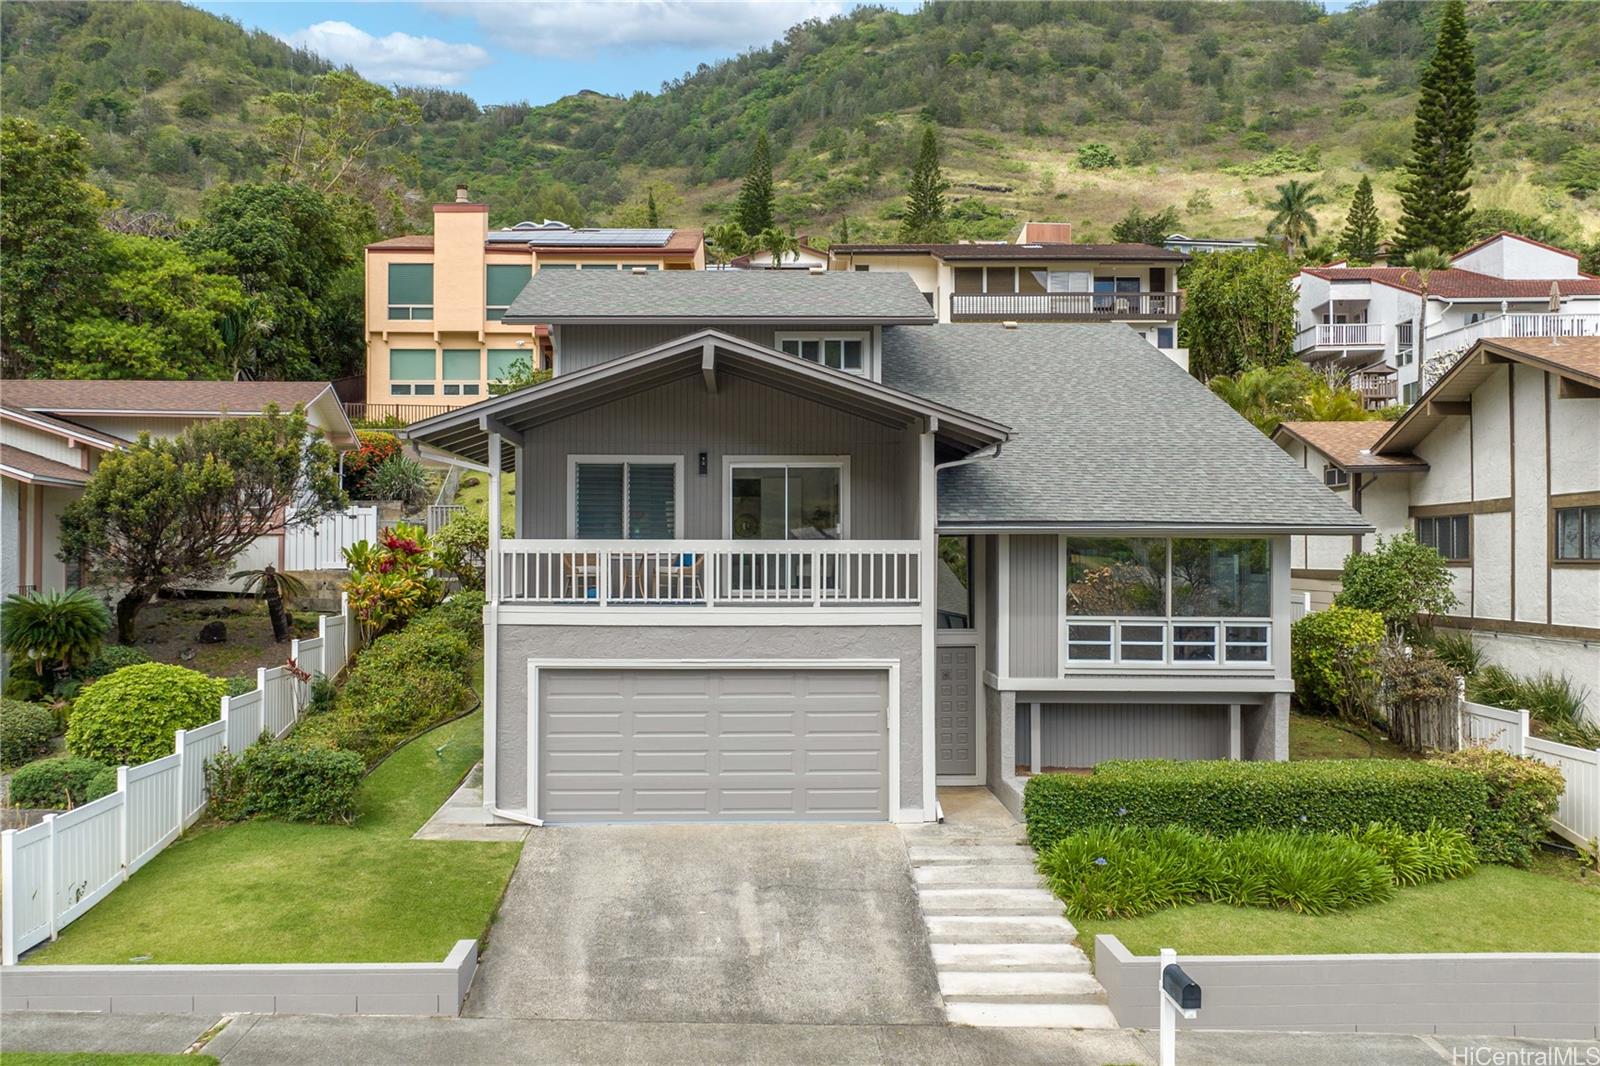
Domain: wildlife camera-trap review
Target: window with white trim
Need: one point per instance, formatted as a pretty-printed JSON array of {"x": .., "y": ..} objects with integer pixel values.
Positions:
[
  {"x": 1335, "y": 477},
  {"x": 625, "y": 497},
  {"x": 781, "y": 499},
  {"x": 841, "y": 351}
]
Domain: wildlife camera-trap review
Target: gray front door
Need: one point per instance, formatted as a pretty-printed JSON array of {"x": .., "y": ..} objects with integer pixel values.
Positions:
[
  {"x": 710, "y": 745},
  {"x": 956, "y": 712}
]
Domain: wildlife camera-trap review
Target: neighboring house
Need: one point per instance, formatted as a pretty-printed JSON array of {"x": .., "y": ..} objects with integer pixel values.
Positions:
[
  {"x": 1041, "y": 277},
  {"x": 787, "y": 550},
  {"x": 1365, "y": 319},
  {"x": 54, "y": 432},
  {"x": 804, "y": 257},
  {"x": 1498, "y": 466},
  {"x": 1178, "y": 242},
  {"x": 434, "y": 303}
]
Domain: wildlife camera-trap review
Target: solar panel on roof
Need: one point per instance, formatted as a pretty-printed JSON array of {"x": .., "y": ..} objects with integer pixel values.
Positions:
[{"x": 585, "y": 238}]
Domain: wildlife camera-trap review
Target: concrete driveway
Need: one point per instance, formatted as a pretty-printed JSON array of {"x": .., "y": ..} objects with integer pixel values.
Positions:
[{"x": 727, "y": 923}]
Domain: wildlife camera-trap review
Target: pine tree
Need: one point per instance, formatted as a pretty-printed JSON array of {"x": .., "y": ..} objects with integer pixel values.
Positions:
[
  {"x": 1435, "y": 197},
  {"x": 924, "y": 218},
  {"x": 1359, "y": 241},
  {"x": 754, "y": 208},
  {"x": 652, "y": 217}
]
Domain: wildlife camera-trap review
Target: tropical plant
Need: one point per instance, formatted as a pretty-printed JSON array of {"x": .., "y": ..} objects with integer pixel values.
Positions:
[
  {"x": 1292, "y": 214},
  {"x": 777, "y": 243},
  {"x": 166, "y": 512},
  {"x": 1268, "y": 395},
  {"x": 1401, "y": 579},
  {"x": 54, "y": 632},
  {"x": 131, "y": 716},
  {"x": 1327, "y": 404},
  {"x": 519, "y": 375},
  {"x": 1238, "y": 311},
  {"x": 924, "y": 220},
  {"x": 1551, "y": 700},
  {"x": 402, "y": 479},
  {"x": 1435, "y": 197},
  {"x": 726, "y": 241},
  {"x": 376, "y": 447},
  {"x": 278, "y": 589},
  {"x": 391, "y": 580}
]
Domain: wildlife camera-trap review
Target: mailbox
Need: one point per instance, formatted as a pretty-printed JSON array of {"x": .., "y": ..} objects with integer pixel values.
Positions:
[{"x": 1183, "y": 990}]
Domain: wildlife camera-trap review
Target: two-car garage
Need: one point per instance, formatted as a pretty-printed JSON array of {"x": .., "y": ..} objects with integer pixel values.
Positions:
[{"x": 695, "y": 743}]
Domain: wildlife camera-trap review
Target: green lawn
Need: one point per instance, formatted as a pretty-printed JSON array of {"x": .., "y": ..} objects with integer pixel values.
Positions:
[
  {"x": 279, "y": 892},
  {"x": 98, "y": 1058},
  {"x": 1497, "y": 908},
  {"x": 1311, "y": 737}
]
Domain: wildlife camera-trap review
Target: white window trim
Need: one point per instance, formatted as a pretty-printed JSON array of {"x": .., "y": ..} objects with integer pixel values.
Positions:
[
  {"x": 868, "y": 370},
  {"x": 732, "y": 462},
  {"x": 676, "y": 462}
]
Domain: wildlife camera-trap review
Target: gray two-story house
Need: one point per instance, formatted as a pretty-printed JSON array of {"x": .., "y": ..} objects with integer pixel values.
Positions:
[{"x": 785, "y": 549}]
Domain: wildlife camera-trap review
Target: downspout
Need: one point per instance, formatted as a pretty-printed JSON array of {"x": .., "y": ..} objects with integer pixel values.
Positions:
[{"x": 990, "y": 452}]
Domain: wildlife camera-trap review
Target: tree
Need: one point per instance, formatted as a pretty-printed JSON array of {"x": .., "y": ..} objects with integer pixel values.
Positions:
[
  {"x": 843, "y": 230},
  {"x": 1238, "y": 312},
  {"x": 1424, "y": 261},
  {"x": 51, "y": 243},
  {"x": 1400, "y": 579},
  {"x": 323, "y": 136},
  {"x": 169, "y": 512},
  {"x": 776, "y": 243},
  {"x": 652, "y": 217},
  {"x": 1136, "y": 227},
  {"x": 1267, "y": 396},
  {"x": 1435, "y": 196},
  {"x": 754, "y": 208},
  {"x": 1358, "y": 244},
  {"x": 278, "y": 589},
  {"x": 1293, "y": 218},
  {"x": 726, "y": 241},
  {"x": 924, "y": 220},
  {"x": 659, "y": 204}
]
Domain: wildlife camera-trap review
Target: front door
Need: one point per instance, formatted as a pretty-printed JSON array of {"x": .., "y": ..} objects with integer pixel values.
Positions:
[{"x": 956, "y": 712}]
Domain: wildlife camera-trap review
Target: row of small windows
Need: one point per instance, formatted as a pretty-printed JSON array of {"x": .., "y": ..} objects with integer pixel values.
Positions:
[
  {"x": 455, "y": 371},
  {"x": 411, "y": 287}
]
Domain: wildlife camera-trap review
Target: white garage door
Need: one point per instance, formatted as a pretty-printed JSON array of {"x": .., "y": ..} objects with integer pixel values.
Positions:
[{"x": 713, "y": 745}]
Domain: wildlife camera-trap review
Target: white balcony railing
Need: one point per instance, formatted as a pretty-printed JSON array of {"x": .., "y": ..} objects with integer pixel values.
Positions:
[
  {"x": 1341, "y": 335},
  {"x": 1096, "y": 306},
  {"x": 1520, "y": 324},
  {"x": 710, "y": 573}
]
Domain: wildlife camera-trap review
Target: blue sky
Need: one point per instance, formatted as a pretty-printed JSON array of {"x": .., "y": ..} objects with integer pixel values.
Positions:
[{"x": 500, "y": 52}]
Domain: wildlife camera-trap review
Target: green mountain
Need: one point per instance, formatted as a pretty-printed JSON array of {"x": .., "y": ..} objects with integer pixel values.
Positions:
[{"x": 1203, "y": 106}]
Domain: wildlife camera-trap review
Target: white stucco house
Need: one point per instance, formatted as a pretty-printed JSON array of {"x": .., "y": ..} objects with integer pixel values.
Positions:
[
  {"x": 803, "y": 257},
  {"x": 1367, "y": 320},
  {"x": 1497, "y": 466}
]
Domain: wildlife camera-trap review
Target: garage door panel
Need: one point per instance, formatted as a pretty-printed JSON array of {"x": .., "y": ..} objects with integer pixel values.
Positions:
[{"x": 697, "y": 745}]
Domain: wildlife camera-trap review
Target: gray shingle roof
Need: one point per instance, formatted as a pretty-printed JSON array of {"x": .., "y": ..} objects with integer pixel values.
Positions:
[
  {"x": 1110, "y": 433},
  {"x": 690, "y": 295}
]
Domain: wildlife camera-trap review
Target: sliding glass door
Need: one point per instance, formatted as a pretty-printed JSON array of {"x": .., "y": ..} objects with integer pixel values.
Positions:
[{"x": 787, "y": 501}]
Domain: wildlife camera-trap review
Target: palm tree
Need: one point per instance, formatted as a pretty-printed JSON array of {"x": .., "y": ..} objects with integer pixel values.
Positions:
[
  {"x": 278, "y": 589},
  {"x": 777, "y": 243},
  {"x": 1264, "y": 395},
  {"x": 1327, "y": 404},
  {"x": 1420, "y": 266},
  {"x": 1294, "y": 219},
  {"x": 725, "y": 241}
]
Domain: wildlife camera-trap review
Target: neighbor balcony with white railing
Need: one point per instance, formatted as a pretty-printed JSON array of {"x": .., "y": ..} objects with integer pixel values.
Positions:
[
  {"x": 1516, "y": 324},
  {"x": 712, "y": 574},
  {"x": 1336, "y": 336}
]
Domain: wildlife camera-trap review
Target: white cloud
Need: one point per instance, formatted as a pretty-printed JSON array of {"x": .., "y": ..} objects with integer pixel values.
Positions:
[
  {"x": 395, "y": 58},
  {"x": 570, "y": 28}
]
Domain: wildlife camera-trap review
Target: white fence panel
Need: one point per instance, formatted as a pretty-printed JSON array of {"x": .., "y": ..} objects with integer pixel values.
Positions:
[
  {"x": 307, "y": 655},
  {"x": 1578, "y": 815},
  {"x": 1493, "y": 727},
  {"x": 320, "y": 545},
  {"x": 55, "y": 871}
]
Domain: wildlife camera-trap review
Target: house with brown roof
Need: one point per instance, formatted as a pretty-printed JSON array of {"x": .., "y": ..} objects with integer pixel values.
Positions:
[
  {"x": 1378, "y": 323},
  {"x": 1040, "y": 277},
  {"x": 1498, "y": 467},
  {"x": 435, "y": 303},
  {"x": 53, "y": 433}
]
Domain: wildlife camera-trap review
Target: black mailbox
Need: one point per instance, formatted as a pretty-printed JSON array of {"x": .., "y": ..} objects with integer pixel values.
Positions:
[{"x": 1183, "y": 990}]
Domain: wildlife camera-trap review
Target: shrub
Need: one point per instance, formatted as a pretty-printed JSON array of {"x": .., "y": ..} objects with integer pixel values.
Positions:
[
  {"x": 1435, "y": 854},
  {"x": 1096, "y": 156},
  {"x": 292, "y": 782},
  {"x": 1420, "y": 699},
  {"x": 1307, "y": 873},
  {"x": 1548, "y": 698},
  {"x": 463, "y": 613},
  {"x": 54, "y": 783},
  {"x": 375, "y": 448},
  {"x": 1330, "y": 654},
  {"x": 237, "y": 686},
  {"x": 130, "y": 716},
  {"x": 1400, "y": 579},
  {"x": 1458, "y": 650},
  {"x": 463, "y": 544},
  {"x": 391, "y": 580},
  {"x": 112, "y": 657},
  {"x": 323, "y": 695},
  {"x": 25, "y": 731},
  {"x": 101, "y": 784},
  {"x": 1522, "y": 797},
  {"x": 53, "y": 632},
  {"x": 402, "y": 479},
  {"x": 1228, "y": 797}
]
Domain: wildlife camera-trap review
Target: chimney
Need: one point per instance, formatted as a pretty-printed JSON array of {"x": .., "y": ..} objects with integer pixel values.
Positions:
[
  {"x": 1045, "y": 233},
  {"x": 461, "y": 195}
]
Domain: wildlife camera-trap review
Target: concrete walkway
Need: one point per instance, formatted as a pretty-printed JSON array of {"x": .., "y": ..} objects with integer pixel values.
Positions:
[
  {"x": 1002, "y": 949},
  {"x": 293, "y": 1039},
  {"x": 463, "y": 818}
]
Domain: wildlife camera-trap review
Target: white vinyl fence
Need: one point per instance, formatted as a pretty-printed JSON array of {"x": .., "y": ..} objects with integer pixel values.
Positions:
[
  {"x": 1578, "y": 815},
  {"x": 55, "y": 871},
  {"x": 320, "y": 545}
]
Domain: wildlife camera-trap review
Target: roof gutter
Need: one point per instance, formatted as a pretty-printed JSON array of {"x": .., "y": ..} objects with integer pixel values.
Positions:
[{"x": 982, "y": 454}]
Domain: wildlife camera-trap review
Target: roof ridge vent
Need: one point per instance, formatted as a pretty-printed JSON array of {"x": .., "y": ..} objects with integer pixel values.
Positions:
[
  {"x": 818, "y": 268},
  {"x": 1008, "y": 324}
]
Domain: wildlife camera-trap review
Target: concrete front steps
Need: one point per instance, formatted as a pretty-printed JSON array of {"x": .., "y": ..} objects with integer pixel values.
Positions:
[{"x": 1001, "y": 947}]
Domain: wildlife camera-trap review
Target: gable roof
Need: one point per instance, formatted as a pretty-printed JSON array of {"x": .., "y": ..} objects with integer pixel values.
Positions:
[
  {"x": 1110, "y": 435},
  {"x": 60, "y": 427},
  {"x": 1033, "y": 250},
  {"x": 1457, "y": 284},
  {"x": 1349, "y": 445},
  {"x": 707, "y": 352},
  {"x": 1575, "y": 359},
  {"x": 678, "y": 244},
  {"x": 23, "y": 465},
  {"x": 566, "y": 296},
  {"x": 1505, "y": 233}
]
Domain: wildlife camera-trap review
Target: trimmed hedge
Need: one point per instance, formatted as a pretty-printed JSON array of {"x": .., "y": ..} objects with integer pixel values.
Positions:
[
  {"x": 131, "y": 715},
  {"x": 55, "y": 783},
  {"x": 25, "y": 731},
  {"x": 287, "y": 781},
  {"x": 1523, "y": 796},
  {"x": 1221, "y": 798}
]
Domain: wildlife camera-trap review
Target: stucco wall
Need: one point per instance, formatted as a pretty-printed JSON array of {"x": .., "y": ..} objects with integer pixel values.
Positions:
[{"x": 519, "y": 643}]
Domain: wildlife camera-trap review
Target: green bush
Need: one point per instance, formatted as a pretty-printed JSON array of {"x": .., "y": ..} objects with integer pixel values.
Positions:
[
  {"x": 1522, "y": 797},
  {"x": 113, "y": 657},
  {"x": 1330, "y": 653},
  {"x": 1457, "y": 649},
  {"x": 463, "y": 613},
  {"x": 54, "y": 783},
  {"x": 287, "y": 781},
  {"x": 1096, "y": 156},
  {"x": 130, "y": 716},
  {"x": 1222, "y": 798},
  {"x": 237, "y": 686},
  {"x": 101, "y": 784},
  {"x": 1401, "y": 580},
  {"x": 1435, "y": 854},
  {"x": 25, "y": 731}
]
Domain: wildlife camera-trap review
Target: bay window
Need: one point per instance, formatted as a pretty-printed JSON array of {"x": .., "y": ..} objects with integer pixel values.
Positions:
[{"x": 1168, "y": 601}]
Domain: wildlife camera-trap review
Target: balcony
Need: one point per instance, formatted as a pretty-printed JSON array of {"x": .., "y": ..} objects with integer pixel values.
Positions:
[
  {"x": 1519, "y": 324},
  {"x": 1376, "y": 387},
  {"x": 713, "y": 574},
  {"x": 400, "y": 413},
  {"x": 1339, "y": 336},
  {"x": 1064, "y": 306}
]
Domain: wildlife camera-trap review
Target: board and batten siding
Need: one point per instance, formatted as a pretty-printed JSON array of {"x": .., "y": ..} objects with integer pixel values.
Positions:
[
  {"x": 742, "y": 418},
  {"x": 991, "y": 604},
  {"x": 1035, "y": 590},
  {"x": 580, "y": 346},
  {"x": 1079, "y": 735}
]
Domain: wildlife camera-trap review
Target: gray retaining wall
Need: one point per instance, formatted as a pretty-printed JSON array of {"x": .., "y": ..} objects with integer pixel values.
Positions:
[
  {"x": 1552, "y": 996},
  {"x": 423, "y": 988}
]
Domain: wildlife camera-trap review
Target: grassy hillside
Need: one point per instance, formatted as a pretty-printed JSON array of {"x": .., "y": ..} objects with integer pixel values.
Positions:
[{"x": 1206, "y": 107}]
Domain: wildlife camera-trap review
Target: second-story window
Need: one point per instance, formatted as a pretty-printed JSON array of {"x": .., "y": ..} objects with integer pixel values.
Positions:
[
  {"x": 502, "y": 284},
  {"x": 1578, "y": 534},
  {"x": 1450, "y": 535},
  {"x": 1335, "y": 477},
  {"x": 845, "y": 352},
  {"x": 410, "y": 291}
]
